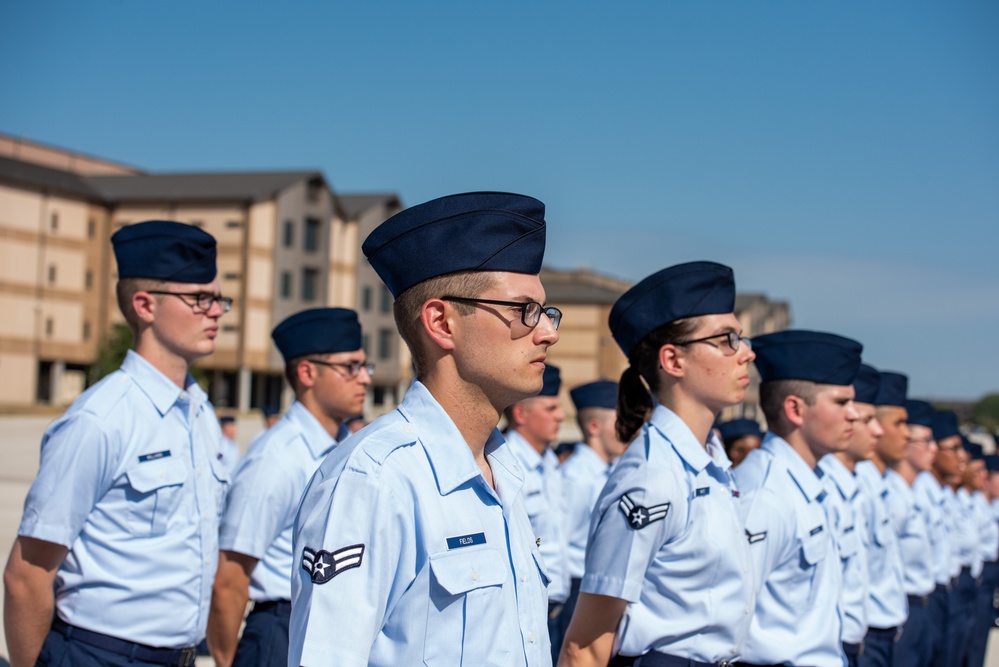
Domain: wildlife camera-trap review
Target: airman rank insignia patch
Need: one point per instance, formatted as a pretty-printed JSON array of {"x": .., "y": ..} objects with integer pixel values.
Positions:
[
  {"x": 324, "y": 565},
  {"x": 639, "y": 517}
]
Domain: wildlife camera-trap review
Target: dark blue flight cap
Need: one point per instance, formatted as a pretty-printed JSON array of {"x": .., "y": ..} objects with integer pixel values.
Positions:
[
  {"x": 866, "y": 384},
  {"x": 165, "y": 250},
  {"x": 227, "y": 420},
  {"x": 565, "y": 448},
  {"x": 892, "y": 390},
  {"x": 599, "y": 394},
  {"x": 270, "y": 410},
  {"x": 814, "y": 356},
  {"x": 944, "y": 424},
  {"x": 974, "y": 450},
  {"x": 739, "y": 428},
  {"x": 318, "y": 331},
  {"x": 920, "y": 412},
  {"x": 476, "y": 231},
  {"x": 684, "y": 290},
  {"x": 992, "y": 462},
  {"x": 553, "y": 381}
]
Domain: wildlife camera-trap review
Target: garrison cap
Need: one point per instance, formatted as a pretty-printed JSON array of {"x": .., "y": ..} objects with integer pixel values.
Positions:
[
  {"x": 945, "y": 424},
  {"x": 565, "y": 448},
  {"x": 866, "y": 384},
  {"x": 476, "y": 231},
  {"x": 992, "y": 462},
  {"x": 270, "y": 410},
  {"x": 553, "y": 381},
  {"x": 892, "y": 389},
  {"x": 738, "y": 428},
  {"x": 976, "y": 451},
  {"x": 677, "y": 292},
  {"x": 599, "y": 394},
  {"x": 813, "y": 356},
  {"x": 920, "y": 412},
  {"x": 318, "y": 331},
  {"x": 227, "y": 420},
  {"x": 165, "y": 250}
]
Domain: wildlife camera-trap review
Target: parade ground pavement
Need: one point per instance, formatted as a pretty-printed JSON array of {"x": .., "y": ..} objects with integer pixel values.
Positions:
[{"x": 19, "y": 441}]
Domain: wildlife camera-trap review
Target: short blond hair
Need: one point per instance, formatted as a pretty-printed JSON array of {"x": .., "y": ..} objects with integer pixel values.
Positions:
[
  {"x": 125, "y": 289},
  {"x": 409, "y": 304}
]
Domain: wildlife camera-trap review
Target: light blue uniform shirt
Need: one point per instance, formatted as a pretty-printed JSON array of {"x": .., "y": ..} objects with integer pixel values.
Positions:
[
  {"x": 987, "y": 528},
  {"x": 952, "y": 515},
  {"x": 797, "y": 619},
  {"x": 930, "y": 495},
  {"x": 842, "y": 506},
  {"x": 409, "y": 557},
  {"x": 130, "y": 482},
  {"x": 666, "y": 537},
  {"x": 969, "y": 553},
  {"x": 260, "y": 513},
  {"x": 584, "y": 475},
  {"x": 887, "y": 606},
  {"x": 913, "y": 527},
  {"x": 229, "y": 455},
  {"x": 544, "y": 499}
]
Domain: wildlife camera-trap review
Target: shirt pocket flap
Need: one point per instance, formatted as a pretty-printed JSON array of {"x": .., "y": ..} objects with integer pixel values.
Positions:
[
  {"x": 463, "y": 571},
  {"x": 849, "y": 542},
  {"x": 147, "y": 477},
  {"x": 545, "y": 577},
  {"x": 813, "y": 548}
]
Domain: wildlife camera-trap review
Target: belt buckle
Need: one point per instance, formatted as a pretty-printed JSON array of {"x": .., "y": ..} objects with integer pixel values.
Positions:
[
  {"x": 187, "y": 656},
  {"x": 725, "y": 663},
  {"x": 860, "y": 648}
]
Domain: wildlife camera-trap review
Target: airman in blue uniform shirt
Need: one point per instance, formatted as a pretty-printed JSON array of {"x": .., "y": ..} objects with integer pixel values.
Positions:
[
  {"x": 413, "y": 539},
  {"x": 327, "y": 369},
  {"x": 668, "y": 579},
  {"x": 807, "y": 397},
  {"x": 118, "y": 544}
]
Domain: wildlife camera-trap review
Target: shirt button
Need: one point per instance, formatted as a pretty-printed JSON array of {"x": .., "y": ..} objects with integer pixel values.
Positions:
[
  {"x": 475, "y": 575},
  {"x": 523, "y": 577},
  {"x": 530, "y": 637}
]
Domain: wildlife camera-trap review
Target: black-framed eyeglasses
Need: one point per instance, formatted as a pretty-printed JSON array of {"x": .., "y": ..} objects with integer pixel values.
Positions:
[
  {"x": 530, "y": 311},
  {"x": 921, "y": 441},
  {"x": 353, "y": 367},
  {"x": 203, "y": 301},
  {"x": 733, "y": 339}
]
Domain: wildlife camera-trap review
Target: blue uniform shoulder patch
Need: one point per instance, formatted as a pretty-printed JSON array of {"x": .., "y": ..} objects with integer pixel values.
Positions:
[{"x": 639, "y": 517}]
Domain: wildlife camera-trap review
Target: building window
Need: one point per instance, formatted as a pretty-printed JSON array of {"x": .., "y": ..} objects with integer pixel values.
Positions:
[
  {"x": 384, "y": 343},
  {"x": 288, "y": 234},
  {"x": 198, "y": 223},
  {"x": 230, "y": 328},
  {"x": 48, "y": 326},
  {"x": 54, "y": 224},
  {"x": 91, "y": 228},
  {"x": 52, "y": 274},
  {"x": 386, "y": 304},
  {"x": 88, "y": 279},
  {"x": 233, "y": 224},
  {"x": 312, "y": 190},
  {"x": 366, "y": 344},
  {"x": 86, "y": 331},
  {"x": 286, "y": 284},
  {"x": 366, "y": 298},
  {"x": 378, "y": 395},
  {"x": 310, "y": 277},
  {"x": 230, "y": 276},
  {"x": 311, "y": 241}
]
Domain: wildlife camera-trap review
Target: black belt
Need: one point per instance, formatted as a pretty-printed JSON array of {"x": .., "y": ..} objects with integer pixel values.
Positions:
[
  {"x": 175, "y": 657},
  {"x": 276, "y": 606},
  {"x": 919, "y": 600},
  {"x": 890, "y": 634},
  {"x": 656, "y": 659},
  {"x": 856, "y": 650}
]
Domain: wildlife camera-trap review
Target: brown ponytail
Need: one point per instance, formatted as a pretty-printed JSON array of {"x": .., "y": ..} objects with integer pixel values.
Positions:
[{"x": 634, "y": 397}]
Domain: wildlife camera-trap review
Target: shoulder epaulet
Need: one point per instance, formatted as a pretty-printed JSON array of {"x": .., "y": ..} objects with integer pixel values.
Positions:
[
  {"x": 102, "y": 399},
  {"x": 378, "y": 444}
]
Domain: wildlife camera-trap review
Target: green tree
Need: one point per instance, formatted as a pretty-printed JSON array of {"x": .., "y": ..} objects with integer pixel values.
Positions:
[{"x": 986, "y": 411}]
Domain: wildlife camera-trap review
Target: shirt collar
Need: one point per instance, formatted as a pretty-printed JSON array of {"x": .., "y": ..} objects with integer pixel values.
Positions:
[
  {"x": 589, "y": 458},
  {"x": 529, "y": 457},
  {"x": 317, "y": 439},
  {"x": 844, "y": 480},
  {"x": 681, "y": 437},
  {"x": 806, "y": 479},
  {"x": 163, "y": 393},
  {"x": 446, "y": 449}
]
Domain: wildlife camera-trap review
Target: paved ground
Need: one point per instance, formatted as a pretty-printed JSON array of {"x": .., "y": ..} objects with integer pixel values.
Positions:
[{"x": 19, "y": 440}]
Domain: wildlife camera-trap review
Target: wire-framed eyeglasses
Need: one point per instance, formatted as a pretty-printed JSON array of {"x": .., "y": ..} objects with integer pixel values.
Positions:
[
  {"x": 530, "y": 311},
  {"x": 733, "y": 339},
  {"x": 203, "y": 301},
  {"x": 353, "y": 368}
]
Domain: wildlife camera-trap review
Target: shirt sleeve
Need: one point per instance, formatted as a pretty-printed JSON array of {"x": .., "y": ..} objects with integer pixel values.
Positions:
[
  {"x": 360, "y": 546},
  {"x": 78, "y": 466},
  {"x": 770, "y": 530},
  {"x": 638, "y": 511}
]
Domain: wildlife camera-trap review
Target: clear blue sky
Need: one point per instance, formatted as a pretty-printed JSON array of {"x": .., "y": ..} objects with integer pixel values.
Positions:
[{"x": 840, "y": 155}]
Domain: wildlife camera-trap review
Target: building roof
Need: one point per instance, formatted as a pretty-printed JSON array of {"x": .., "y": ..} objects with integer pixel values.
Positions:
[
  {"x": 209, "y": 186},
  {"x": 581, "y": 286},
  {"x": 355, "y": 205},
  {"x": 45, "y": 178}
]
